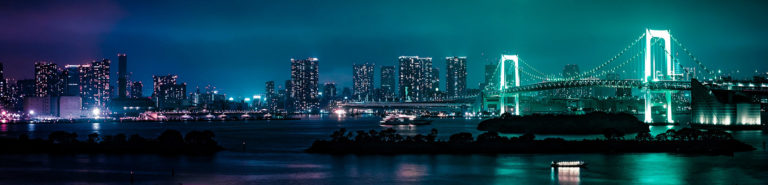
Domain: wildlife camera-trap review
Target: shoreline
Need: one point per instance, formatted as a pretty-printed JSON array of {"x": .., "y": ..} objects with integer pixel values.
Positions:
[{"x": 687, "y": 140}]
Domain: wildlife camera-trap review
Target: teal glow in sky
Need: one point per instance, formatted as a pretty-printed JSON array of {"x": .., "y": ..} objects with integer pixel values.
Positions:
[{"x": 238, "y": 45}]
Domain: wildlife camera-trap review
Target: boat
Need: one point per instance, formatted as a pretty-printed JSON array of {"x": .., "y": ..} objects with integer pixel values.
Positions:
[
  {"x": 186, "y": 117},
  {"x": 403, "y": 119},
  {"x": 161, "y": 117},
  {"x": 245, "y": 116},
  {"x": 568, "y": 164},
  {"x": 209, "y": 117}
]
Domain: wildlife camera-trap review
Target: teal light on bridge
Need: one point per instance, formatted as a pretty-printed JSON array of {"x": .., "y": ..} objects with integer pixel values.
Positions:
[
  {"x": 503, "y": 83},
  {"x": 650, "y": 72}
]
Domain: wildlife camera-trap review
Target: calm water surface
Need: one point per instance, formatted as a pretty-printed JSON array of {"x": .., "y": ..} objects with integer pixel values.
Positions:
[{"x": 273, "y": 155}]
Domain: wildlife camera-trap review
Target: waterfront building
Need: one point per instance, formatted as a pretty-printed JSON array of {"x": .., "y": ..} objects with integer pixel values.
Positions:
[
  {"x": 136, "y": 90},
  {"x": 490, "y": 70},
  {"x": 47, "y": 79},
  {"x": 362, "y": 81},
  {"x": 167, "y": 93},
  {"x": 304, "y": 85},
  {"x": 415, "y": 77},
  {"x": 456, "y": 76},
  {"x": 272, "y": 96},
  {"x": 346, "y": 93},
  {"x": 571, "y": 71},
  {"x": 722, "y": 107},
  {"x": 387, "y": 83},
  {"x": 67, "y": 107},
  {"x": 122, "y": 79},
  {"x": 72, "y": 80},
  {"x": 329, "y": 94},
  {"x": 94, "y": 82},
  {"x": 3, "y": 87}
]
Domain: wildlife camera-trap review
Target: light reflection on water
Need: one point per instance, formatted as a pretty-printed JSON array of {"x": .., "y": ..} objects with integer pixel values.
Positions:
[
  {"x": 274, "y": 157},
  {"x": 568, "y": 175},
  {"x": 96, "y": 127}
]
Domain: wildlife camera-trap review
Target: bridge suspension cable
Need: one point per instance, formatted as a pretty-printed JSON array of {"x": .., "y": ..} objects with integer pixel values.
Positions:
[
  {"x": 694, "y": 58},
  {"x": 594, "y": 70}
]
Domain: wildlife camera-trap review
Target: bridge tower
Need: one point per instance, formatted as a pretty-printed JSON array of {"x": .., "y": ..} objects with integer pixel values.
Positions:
[
  {"x": 503, "y": 83},
  {"x": 658, "y": 71}
]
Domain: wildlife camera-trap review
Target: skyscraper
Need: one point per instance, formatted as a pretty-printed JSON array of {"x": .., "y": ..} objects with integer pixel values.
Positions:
[
  {"x": 100, "y": 82},
  {"x": 272, "y": 96},
  {"x": 122, "y": 79},
  {"x": 571, "y": 71},
  {"x": 346, "y": 93},
  {"x": 415, "y": 77},
  {"x": 137, "y": 89},
  {"x": 362, "y": 81},
  {"x": 490, "y": 69},
  {"x": 26, "y": 87},
  {"x": 434, "y": 89},
  {"x": 159, "y": 81},
  {"x": 329, "y": 93},
  {"x": 47, "y": 79},
  {"x": 456, "y": 76},
  {"x": 304, "y": 85},
  {"x": 167, "y": 94},
  {"x": 3, "y": 86},
  {"x": 72, "y": 80},
  {"x": 387, "y": 82}
]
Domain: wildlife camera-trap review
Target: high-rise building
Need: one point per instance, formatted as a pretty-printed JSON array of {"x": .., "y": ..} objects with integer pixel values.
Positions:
[
  {"x": 571, "y": 71},
  {"x": 435, "y": 76},
  {"x": 456, "y": 76},
  {"x": 26, "y": 87},
  {"x": 362, "y": 81},
  {"x": 160, "y": 81},
  {"x": 98, "y": 91},
  {"x": 415, "y": 76},
  {"x": 329, "y": 90},
  {"x": 490, "y": 69},
  {"x": 346, "y": 93},
  {"x": 72, "y": 80},
  {"x": 272, "y": 96},
  {"x": 167, "y": 94},
  {"x": 3, "y": 86},
  {"x": 47, "y": 79},
  {"x": 329, "y": 93},
  {"x": 287, "y": 96},
  {"x": 137, "y": 90},
  {"x": 388, "y": 82},
  {"x": 304, "y": 85},
  {"x": 122, "y": 79}
]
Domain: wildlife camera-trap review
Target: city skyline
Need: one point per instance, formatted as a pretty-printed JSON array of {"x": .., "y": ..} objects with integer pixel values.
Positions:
[{"x": 224, "y": 57}]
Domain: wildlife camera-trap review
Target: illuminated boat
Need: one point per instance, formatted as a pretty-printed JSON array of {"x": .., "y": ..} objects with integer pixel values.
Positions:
[
  {"x": 186, "y": 117},
  {"x": 209, "y": 117},
  {"x": 402, "y": 119},
  {"x": 566, "y": 164},
  {"x": 161, "y": 117}
]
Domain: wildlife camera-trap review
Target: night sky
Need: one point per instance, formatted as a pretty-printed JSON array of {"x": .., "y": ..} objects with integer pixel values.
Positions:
[{"x": 239, "y": 45}]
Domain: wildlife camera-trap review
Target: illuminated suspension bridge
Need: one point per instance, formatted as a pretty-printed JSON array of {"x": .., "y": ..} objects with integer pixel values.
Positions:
[{"x": 651, "y": 55}]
